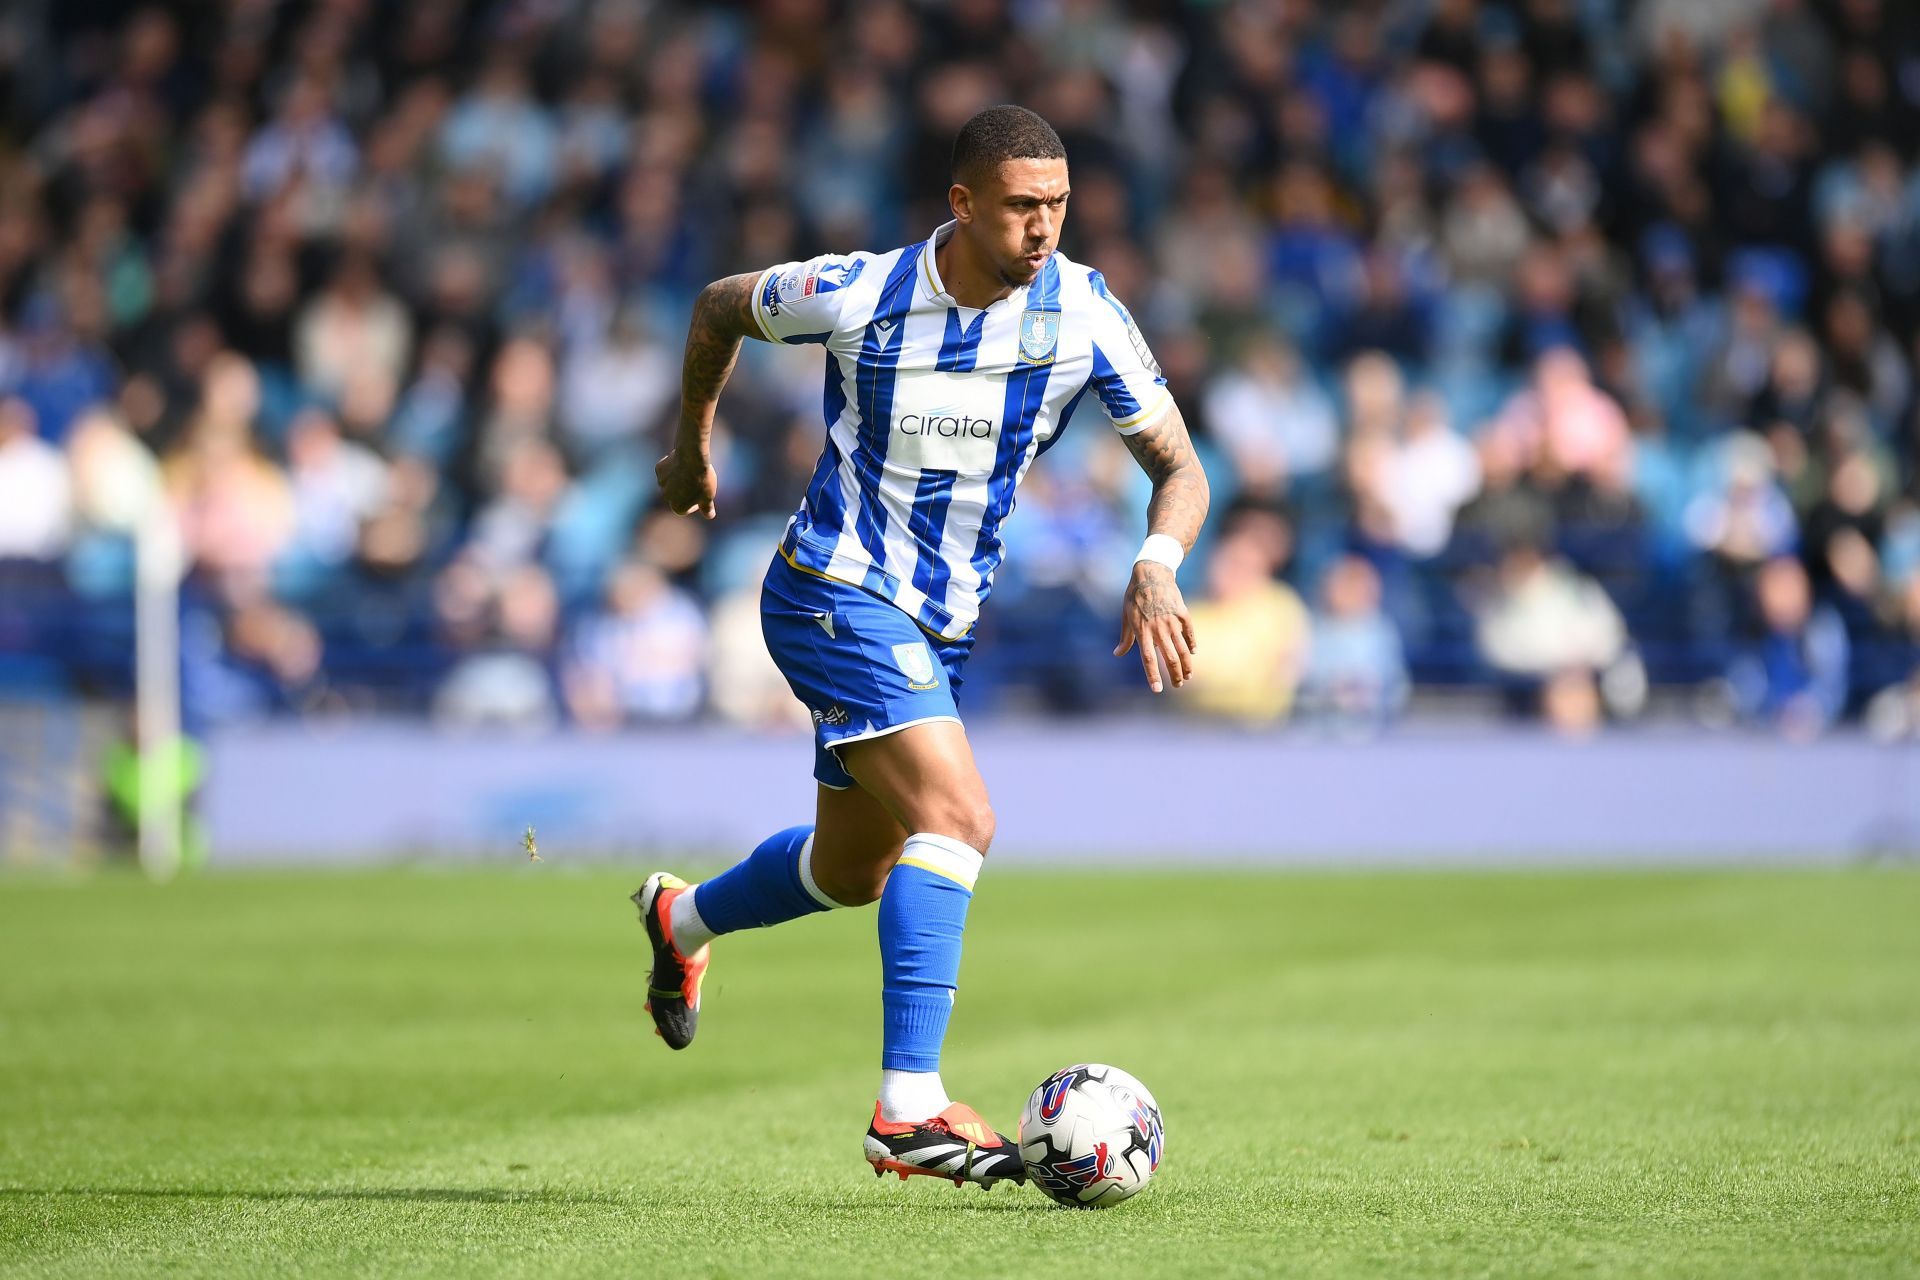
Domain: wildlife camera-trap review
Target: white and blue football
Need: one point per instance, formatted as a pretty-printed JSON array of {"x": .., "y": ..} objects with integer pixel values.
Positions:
[{"x": 1091, "y": 1136}]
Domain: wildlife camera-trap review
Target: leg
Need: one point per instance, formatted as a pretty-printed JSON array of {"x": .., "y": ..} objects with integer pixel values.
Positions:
[
  {"x": 925, "y": 778},
  {"x": 858, "y": 841},
  {"x": 923, "y": 775},
  {"x": 841, "y": 860}
]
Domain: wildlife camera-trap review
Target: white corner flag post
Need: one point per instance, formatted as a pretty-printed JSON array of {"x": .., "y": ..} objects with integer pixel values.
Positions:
[{"x": 156, "y": 626}]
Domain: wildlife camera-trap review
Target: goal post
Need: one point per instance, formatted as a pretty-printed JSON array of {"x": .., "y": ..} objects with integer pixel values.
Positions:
[{"x": 156, "y": 626}]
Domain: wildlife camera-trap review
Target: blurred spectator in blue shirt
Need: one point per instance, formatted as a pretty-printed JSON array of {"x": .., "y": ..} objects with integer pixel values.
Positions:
[
  {"x": 505, "y": 677},
  {"x": 1272, "y": 417},
  {"x": 1744, "y": 519},
  {"x": 642, "y": 657},
  {"x": 617, "y": 388},
  {"x": 304, "y": 142},
  {"x": 499, "y": 126},
  {"x": 1794, "y": 675},
  {"x": 337, "y": 484},
  {"x": 1356, "y": 673}
]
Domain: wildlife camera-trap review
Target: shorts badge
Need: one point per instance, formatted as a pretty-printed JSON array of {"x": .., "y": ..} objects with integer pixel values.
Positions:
[{"x": 917, "y": 665}]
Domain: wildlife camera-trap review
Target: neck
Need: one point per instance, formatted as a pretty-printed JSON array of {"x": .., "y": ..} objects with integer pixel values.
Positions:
[{"x": 970, "y": 281}]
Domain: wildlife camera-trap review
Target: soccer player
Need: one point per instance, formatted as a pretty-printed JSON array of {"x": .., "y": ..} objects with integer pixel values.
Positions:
[{"x": 951, "y": 365}]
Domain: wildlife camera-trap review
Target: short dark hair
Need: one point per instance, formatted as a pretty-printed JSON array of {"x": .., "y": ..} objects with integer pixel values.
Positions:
[{"x": 1000, "y": 134}]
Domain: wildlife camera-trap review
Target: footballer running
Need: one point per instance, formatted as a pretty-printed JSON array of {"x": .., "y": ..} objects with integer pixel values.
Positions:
[{"x": 951, "y": 365}]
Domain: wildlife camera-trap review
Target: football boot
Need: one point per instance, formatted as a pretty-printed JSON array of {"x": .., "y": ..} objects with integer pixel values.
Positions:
[
  {"x": 673, "y": 986},
  {"x": 956, "y": 1144}
]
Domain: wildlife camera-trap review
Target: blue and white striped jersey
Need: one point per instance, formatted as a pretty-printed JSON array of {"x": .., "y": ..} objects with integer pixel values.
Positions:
[{"x": 935, "y": 411}]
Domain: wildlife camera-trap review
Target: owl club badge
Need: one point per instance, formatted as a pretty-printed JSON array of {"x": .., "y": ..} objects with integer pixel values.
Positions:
[
  {"x": 916, "y": 664},
  {"x": 1039, "y": 335}
]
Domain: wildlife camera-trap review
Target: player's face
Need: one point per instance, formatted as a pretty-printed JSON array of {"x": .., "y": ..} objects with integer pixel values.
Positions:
[{"x": 1015, "y": 216}]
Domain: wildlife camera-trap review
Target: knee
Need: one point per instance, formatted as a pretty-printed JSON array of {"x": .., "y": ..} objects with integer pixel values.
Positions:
[
  {"x": 966, "y": 819},
  {"x": 981, "y": 820}
]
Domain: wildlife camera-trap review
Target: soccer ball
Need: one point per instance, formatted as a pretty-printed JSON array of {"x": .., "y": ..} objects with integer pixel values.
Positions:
[{"x": 1091, "y": 1136}]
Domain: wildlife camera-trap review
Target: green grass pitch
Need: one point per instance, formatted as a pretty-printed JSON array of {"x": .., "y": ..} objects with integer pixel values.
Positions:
[{"x": 1406, "y": 1074}]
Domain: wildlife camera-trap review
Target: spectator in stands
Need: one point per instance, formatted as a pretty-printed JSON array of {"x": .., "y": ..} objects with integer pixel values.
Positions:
[
  {"x": 1747, "y": 520},
  {"x": 512, "y": 529},
  {"x": 616, "y": 387},
  {"x": 116, "y": 480},
  {"x": 1484, "y": 231},
  {"x": 236, "y": 508},
  {"x": 499, "y": 126},
  {"x": 304, "y": 142},
  {"x": 1256, "y": 633},
  {"x": 1274, "y": 420},
  {"x": 1614, "y": 263},
  {"x": 506, "y": 677},
  {"x": 1549, "y": 632},
  {"x": 1793, "y": 675},
  {"x": 1895, "y": 711},
  {"x": 640, "y": 658},
  {"x": 1563, "y": 425},
  {"x": 36, "y": 504},
  {"x": 1430, "y": 473},
  {"x": 430, "y": 415},
  {"x": 352, "y": 327},
  {"x": 744, "y": 686},
  {"x": 1357, "y": 675},
  {"x": 1844, "y": 528},
  {"x": 337, "y": 484}
]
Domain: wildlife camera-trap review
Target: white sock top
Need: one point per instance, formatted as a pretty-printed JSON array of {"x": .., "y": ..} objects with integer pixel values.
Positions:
[
  {"x": 912, "y": 1095},
  {"x": 807, "y": 881},
  {"x": 944, "y": 856},
  {"x": 690, "y": 932}
]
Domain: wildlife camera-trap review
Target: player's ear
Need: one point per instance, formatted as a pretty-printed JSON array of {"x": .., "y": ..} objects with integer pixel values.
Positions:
[{"x": 960, "y": 200}]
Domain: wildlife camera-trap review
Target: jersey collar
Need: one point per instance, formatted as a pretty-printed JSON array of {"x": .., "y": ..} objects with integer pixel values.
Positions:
[
  {"x": 930, "y": 283},
  {"x": 932, "y": 287}
]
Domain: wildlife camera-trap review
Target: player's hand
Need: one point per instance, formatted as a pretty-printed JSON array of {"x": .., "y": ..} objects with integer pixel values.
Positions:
[
  {"x": 1155, "y": 615},
  {"x": 688, "y": 483}
]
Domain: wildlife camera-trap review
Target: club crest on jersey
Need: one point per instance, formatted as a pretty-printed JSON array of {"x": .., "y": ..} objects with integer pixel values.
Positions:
[
  {"x": 1039, "y": 336},
  {"x": 916, "y": 664}
]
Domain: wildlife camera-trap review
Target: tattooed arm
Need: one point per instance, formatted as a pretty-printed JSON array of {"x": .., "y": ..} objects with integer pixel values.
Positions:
[
  {"x": 1154, "y": 612},
  {"x": 722, "y": 316}
]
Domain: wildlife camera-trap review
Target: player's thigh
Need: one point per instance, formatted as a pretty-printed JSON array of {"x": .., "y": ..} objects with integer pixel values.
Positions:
[
  {"x": 925, "y": 776},
  {"x": 856, "y": 841}
]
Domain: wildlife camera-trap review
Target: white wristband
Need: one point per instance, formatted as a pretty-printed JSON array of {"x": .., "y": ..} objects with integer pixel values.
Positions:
[{"x": 1162, "y": 548}]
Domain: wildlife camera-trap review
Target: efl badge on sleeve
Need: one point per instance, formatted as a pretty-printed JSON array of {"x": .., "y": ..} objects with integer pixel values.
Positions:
[
  {"x": 916, "y": 664},
  {"x": 1039, "y": 335}
]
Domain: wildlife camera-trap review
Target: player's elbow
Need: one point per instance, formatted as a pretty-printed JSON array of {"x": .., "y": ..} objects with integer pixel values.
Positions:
[
  {"x": 1202, "y": 490},
  {"x": 726, "y": 306}
]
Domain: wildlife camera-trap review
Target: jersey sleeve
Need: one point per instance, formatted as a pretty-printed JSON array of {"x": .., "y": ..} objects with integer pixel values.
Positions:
[
  {"x": 1126, "y": 377},
  {"x": 801, "y": 301}
]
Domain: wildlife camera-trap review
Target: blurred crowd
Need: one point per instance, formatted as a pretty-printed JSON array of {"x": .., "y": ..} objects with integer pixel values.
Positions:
[{"x": 1556, "y": 353}]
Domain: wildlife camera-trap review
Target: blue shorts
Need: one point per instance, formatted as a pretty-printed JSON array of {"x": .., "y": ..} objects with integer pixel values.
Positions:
[{"x": 858, "y": 662}]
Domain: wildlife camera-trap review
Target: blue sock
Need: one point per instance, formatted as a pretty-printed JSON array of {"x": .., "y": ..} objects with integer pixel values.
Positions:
[
  {"x": 774, "y": 885},
  {"x": 923, "y": 912}
]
